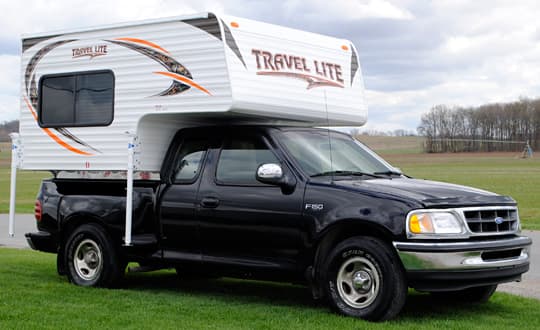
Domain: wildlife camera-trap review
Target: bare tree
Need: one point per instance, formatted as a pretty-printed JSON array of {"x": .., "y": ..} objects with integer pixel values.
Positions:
[{"x": 488, "y": 127}]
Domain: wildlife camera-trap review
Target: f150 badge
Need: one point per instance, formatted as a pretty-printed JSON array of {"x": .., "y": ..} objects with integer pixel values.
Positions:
[{"x": 315, "y": 207}]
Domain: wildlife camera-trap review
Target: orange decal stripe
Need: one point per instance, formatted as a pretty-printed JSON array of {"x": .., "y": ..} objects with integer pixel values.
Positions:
[
  {"x": 144, "y": 42},
  {"x": 183, "y": 79},
  {"x": 54, "y": 136}
]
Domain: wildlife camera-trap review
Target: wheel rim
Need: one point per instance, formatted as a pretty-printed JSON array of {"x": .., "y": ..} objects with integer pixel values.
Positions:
[
  {"x": 88, "y": 260},
  {"x": 358, "y": 282}
]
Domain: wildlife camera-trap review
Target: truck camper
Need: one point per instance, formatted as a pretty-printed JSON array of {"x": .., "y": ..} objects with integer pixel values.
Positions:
[{"x": 191, "y": 143}]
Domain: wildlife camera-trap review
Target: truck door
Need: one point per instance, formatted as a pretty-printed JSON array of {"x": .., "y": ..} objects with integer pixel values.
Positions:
[
  {"x": 243, "y": 220},
  {"x": 179, "y": 199}
]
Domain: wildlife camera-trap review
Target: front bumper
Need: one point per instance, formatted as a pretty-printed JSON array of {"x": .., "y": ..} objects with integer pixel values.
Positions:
[
  {"x": 42, "y": 241},
  {"x": 440, "y": 266}
]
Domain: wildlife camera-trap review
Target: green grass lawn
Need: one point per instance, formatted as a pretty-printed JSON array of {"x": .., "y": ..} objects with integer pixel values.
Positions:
[{"x": 32, "y": 296}]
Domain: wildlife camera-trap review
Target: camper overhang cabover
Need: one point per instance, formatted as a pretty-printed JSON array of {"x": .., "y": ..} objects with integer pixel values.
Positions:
[{"x": 106, "y": 101}]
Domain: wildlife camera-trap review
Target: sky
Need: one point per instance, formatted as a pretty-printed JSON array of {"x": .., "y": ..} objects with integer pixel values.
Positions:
[{"x": 414, "y": 54}]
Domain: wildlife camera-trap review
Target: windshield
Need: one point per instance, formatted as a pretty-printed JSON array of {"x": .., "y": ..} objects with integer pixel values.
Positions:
[{"x": 311, "y": 150}]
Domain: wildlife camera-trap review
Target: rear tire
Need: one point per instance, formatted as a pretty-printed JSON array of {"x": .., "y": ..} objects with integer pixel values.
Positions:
[
  {"x": 364, "y": 278},
  {"x": 476, "y": 295},
  {"x": 92, "y": 258}
]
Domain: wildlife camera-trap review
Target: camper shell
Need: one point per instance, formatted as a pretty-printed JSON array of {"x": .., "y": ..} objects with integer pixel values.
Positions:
[{"x": 86, "y": 94}]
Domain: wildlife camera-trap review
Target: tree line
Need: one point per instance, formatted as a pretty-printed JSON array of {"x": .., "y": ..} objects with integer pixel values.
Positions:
[{"x": 490, "y": 127}]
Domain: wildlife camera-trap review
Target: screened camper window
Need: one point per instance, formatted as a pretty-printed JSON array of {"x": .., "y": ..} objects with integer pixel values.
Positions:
[{"x": 76, "y": 99}]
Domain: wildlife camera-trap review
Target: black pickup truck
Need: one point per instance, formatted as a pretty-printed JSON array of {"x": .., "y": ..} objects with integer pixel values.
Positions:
[{"x": 290, "y": 204}]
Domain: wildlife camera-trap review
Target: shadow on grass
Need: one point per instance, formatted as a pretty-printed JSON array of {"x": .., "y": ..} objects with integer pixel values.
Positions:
[
  {"x": 247, "y": 291},
  {"x": 419, "y": 306}
]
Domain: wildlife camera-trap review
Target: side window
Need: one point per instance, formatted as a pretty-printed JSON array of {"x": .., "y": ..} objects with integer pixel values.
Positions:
[
  {"x": 239, "y": 159},
  {"x": 189, "y": 160},
  {"x": 76, "y": 99}
]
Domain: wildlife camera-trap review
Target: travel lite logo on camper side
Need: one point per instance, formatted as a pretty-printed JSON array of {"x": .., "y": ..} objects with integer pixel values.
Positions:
[
  {"x": 92, "y": 51},
  {"x": 316, "y": 73}
]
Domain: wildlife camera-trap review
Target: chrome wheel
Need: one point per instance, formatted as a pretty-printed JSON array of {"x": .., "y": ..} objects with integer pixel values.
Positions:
[
  {"x": 358, "y": 282},
  {"x": 88, "y": 260}
]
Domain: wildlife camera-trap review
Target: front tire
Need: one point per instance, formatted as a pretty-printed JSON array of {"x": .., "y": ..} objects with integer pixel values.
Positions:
[
  {"x": 363, "y": 278},
  {"x": 92, "y": 258}
]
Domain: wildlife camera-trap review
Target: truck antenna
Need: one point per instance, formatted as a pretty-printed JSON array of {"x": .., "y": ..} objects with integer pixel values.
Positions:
[{"x": 329, "y": 138}]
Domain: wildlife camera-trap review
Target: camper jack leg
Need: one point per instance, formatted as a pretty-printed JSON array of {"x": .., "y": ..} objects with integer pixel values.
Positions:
[
  {"x": 129, "y": 190},
  {"x": 13, "y": 184}
]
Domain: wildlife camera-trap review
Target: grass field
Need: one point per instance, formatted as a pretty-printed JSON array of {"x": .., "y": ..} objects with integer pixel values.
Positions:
[
  {"x": 389, "y": 145},
  {"x": 503, "y": 173},
  {"x": 33, "y": 296}
]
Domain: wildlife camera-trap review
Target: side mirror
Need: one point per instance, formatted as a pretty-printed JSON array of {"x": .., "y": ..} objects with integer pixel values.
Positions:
[
  {"x": 269, "y": 173},
  {"x": 273, "y": 174}
]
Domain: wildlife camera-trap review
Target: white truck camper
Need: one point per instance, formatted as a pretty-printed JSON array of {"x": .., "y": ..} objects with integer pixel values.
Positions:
[{"x": 104, "y": 102}]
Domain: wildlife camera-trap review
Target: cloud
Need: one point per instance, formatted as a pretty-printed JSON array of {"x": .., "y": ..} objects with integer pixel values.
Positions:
[
  {"x": 347, "y": 9},
  {"x": 9, "y": 87}
]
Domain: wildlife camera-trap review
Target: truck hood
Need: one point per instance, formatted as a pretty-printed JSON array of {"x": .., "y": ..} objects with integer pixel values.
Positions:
[{"x": 428, "y": 193}]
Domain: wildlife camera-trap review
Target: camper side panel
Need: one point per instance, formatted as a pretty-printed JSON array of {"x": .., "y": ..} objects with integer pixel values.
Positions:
[{"x": 164, "y": 67}]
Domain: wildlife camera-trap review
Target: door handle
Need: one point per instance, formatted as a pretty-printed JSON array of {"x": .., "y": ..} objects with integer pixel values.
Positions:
[{"x": 209, "y": 202}]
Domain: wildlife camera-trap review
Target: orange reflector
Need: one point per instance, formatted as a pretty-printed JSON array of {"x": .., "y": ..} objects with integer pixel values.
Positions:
[
  {"x": 421, "y": 224},
  {"x": 344, "y": 47},
  {"x": 414, "y": 225},
  {"x": 234, "y": 24},
  {"x": 37, "y": 210}
]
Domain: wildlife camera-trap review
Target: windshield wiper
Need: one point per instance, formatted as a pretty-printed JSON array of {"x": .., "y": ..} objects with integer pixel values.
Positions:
[
  {"x": 345, "y": 173},
  {"x": 389, "y": 172}
]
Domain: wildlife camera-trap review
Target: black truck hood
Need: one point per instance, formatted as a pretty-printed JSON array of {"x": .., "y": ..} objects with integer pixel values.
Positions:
[{"x": 428, "y": 193}]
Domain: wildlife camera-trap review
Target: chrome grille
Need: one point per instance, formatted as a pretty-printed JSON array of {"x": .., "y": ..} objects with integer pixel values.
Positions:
[{"x": 483, "y": 220}]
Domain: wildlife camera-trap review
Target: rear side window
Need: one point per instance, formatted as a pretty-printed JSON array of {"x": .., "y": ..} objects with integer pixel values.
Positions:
[
  {"x": 77, "y": 99},
  {"x": 189, "y": 161}
]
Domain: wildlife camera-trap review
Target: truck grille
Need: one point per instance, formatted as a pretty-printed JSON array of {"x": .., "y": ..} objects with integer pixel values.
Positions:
[{"x": 492, "y": 220}]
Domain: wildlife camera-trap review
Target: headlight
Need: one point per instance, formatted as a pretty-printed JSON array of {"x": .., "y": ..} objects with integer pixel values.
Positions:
[{"x": 434, "y": 224}]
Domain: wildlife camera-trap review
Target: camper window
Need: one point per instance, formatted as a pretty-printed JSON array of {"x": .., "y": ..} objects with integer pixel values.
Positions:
[{"x": 76, "y": 99}]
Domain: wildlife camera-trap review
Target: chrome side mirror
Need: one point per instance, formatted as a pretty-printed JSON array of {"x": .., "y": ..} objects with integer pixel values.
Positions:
[
  {"x": 274, "y": 174},
  {"x": 269, "y": 172}
]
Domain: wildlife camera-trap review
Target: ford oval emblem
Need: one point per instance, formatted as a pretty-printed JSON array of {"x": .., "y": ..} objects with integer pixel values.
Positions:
[{"x": 499, "y": 220}]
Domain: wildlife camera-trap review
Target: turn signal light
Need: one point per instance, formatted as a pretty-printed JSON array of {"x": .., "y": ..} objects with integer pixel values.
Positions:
[{"x": 420, "y": 224}]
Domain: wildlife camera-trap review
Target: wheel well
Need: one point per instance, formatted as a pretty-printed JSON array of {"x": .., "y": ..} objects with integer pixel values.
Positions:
[
  {"x": 330, "y": 238},
  {"x": 77, "y": 220},
  {"x": 343, "y": 231}
]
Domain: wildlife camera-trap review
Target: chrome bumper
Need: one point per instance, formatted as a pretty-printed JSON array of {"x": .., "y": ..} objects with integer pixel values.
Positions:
[{"x": 472, "y": 255}]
